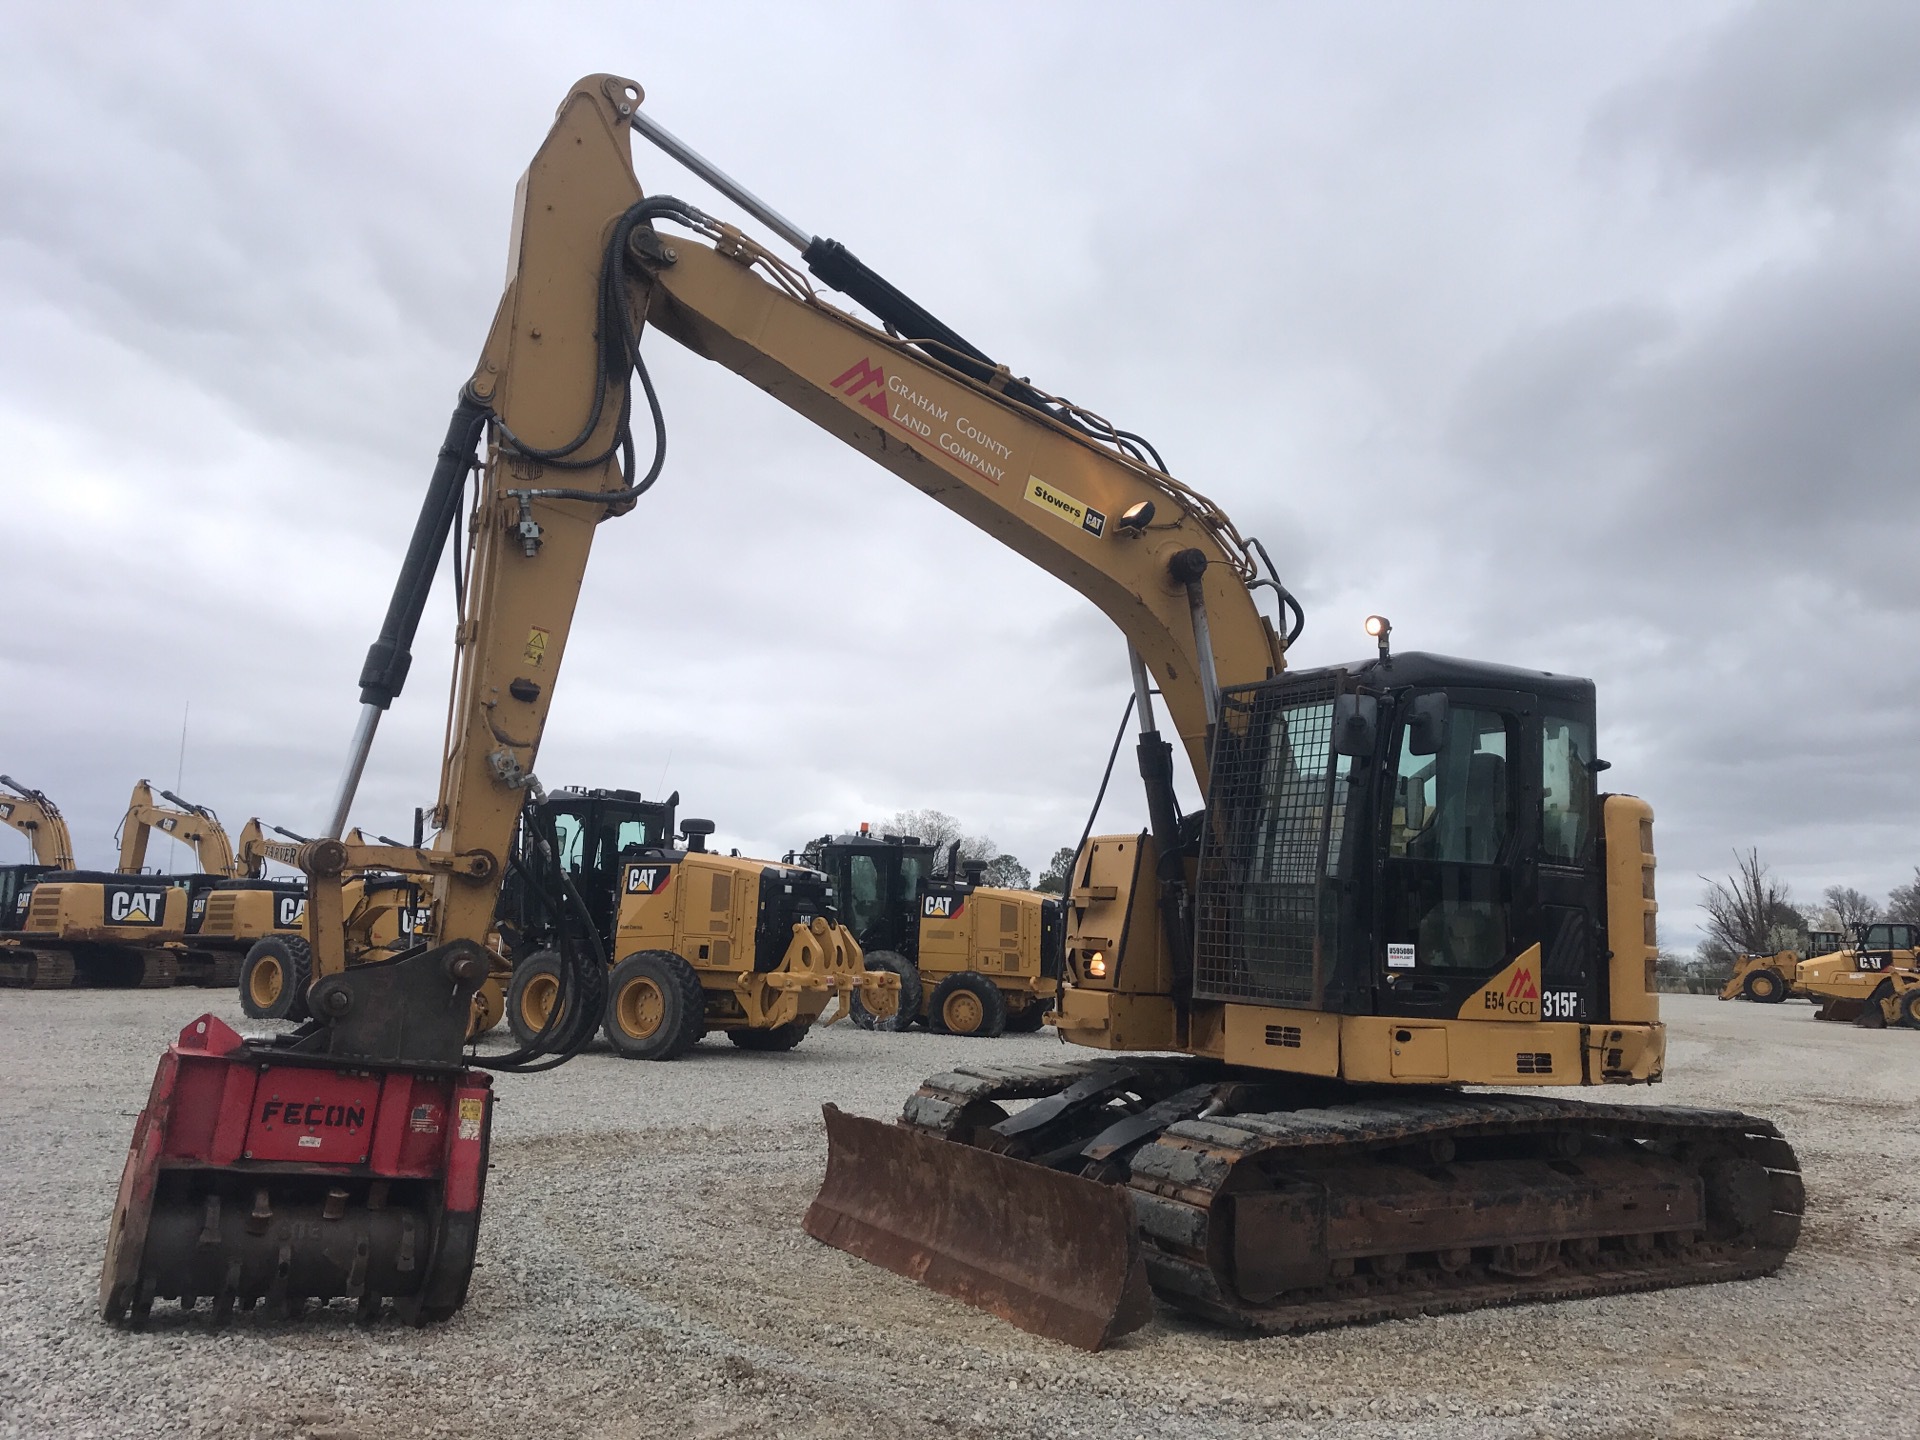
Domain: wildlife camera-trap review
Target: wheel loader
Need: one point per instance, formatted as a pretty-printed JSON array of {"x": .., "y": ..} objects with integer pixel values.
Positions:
[
  {"x": 699, "y": 941},
  {"x": 1872, "y": 981},
  {"x": 971, "y": 959},
  {"x": 1770, "y": 979},
  {"x": 1330, "y": 1019},
  {"x": 384, "y": 914}
]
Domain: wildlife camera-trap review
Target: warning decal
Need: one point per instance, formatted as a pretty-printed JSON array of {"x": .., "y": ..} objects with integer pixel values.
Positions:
[
  {"x": 1058, "y": 502},
  {"x": 536, "y": 645}
]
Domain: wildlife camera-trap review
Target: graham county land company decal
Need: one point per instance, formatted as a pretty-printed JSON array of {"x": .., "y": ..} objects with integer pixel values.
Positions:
[
  {"x": 1057, "y": 502},
  {"x": 965, "y": 438}
]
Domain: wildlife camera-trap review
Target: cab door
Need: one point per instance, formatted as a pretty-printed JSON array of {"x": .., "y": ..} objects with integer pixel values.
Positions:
[{"x": 1456, "y": 889}]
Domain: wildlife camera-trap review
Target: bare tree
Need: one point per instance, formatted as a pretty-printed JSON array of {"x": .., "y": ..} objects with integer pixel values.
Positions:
[
  {"x": 1903, "y": 905},
  {"x": 1750, "y": 910},
  {"x": 940, "y": 830},
  {"x": 1850, "y": 907}
]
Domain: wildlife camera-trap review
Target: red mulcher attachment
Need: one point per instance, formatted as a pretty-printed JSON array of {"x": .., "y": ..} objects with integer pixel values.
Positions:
[{"x": 262, "y": 1171}]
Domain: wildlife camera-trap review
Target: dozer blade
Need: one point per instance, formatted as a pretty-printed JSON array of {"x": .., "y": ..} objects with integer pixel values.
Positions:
[
  {"x": 1051, "y": 1253},
  {"x": 261, "y": 1173}
]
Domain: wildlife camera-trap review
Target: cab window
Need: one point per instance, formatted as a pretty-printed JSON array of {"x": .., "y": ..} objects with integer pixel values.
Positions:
[
  {"x": 1566, "y": 789},
  {"x": 1453, "y": 806},
  {"x": 572, "y": 837},
  {"x": 862, "y": 900}
]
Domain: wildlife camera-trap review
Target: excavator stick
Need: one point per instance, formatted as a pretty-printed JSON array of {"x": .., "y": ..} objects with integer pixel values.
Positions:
[
  {"x": 1052, "y": 1253},
  {"x": 262, "y": 1171}
]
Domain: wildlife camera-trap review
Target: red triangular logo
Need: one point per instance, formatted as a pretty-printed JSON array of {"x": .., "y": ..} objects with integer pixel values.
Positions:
[{"x": 1521, "y": 987}]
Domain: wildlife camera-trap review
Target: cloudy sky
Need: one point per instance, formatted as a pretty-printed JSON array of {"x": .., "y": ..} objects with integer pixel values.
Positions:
[{"x": 1577, "y": 337}]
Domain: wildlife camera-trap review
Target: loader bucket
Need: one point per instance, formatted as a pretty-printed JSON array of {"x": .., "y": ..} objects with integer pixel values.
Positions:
[{"x": 1051, "y": 1253}]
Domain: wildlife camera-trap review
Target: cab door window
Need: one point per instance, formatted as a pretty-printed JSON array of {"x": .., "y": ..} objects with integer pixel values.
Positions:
[
  {"x": 1446, "y": 895},
  {"x": 1566, "y": 789},
  {"x": 862, "y": 900}
]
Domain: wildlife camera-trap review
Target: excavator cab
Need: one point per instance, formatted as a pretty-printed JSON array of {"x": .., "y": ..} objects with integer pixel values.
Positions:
[{"x": 1388, "y": 838}]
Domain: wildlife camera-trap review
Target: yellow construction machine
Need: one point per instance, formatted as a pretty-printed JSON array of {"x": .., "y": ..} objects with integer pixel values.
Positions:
[
  {"x": 1404, "y": 882},
  {"x": 1769, "y": 979},
  {"x": 971, "y": 959},
  {"x": 35, "y": 816},
  {"x": 127, "y": 927},
  {"x": 705, "y": 941},
  {"x": 1873, "y": 980}
]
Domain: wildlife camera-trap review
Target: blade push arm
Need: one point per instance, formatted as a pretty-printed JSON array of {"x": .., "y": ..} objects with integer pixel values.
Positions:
[
  {"x": 190, "y": 824},
  {"x": 38, "y": 818}
]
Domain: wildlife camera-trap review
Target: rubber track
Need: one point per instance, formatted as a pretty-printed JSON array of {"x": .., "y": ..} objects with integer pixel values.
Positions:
[{"x": 1176, "y": 1178}]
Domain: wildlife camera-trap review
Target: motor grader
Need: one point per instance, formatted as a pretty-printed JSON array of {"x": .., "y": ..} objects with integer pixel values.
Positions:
[
  {"x": 1403, "y": 882},
  {"x": 700, "y": 941},
  {"x": 972, "y": 959}
]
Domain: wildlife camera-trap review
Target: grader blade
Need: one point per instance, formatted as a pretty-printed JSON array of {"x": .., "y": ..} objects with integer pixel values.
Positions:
[{"x": 1051, "y": 1253}]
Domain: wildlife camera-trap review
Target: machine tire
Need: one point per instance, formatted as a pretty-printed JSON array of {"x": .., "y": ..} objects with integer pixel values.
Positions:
[
  {"x": 1910, "y": 1009},
  {"x": 779, "y": 1038},
  {"x": 655, "y": 1007},
  {"x": 911, "y": 992},
  {"x": 1028, "y": 1020},
  {"x": 274, "y": 978},
  {"x": 536, "y": 985},
  {"x": 1765, "y": 987},
  {"x": 967, "y": 1004}
]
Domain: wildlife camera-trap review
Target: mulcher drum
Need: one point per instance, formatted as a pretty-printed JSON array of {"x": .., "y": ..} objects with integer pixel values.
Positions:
[{"x": 1386, "y": 1204}]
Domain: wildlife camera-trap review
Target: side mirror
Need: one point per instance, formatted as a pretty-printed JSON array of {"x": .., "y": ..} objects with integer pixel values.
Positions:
[
  {"x": 1356, "y": 725},
  {"x": 1427, "y": 724}
]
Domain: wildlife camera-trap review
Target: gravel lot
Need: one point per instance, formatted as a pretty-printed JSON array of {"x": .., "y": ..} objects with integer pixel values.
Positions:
[{"x": 643, "y": 1273}]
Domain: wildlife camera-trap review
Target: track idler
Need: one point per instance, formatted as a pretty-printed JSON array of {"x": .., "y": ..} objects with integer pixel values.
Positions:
[{"x": 262, "y": 1173}]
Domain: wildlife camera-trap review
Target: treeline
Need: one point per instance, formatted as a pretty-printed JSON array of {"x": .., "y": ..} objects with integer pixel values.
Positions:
[{"x": 1752, "y": 911}]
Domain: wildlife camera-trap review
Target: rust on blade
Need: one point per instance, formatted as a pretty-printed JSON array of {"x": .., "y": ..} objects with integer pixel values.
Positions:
[{"x": 1054, "y": 1254}]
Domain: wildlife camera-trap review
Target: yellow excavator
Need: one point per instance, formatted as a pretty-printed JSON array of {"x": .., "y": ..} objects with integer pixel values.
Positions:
[
  {"x": 1404, "y": 882},
  {"x": 126, "y": 927},
  {"x": 35, "y": 816}
]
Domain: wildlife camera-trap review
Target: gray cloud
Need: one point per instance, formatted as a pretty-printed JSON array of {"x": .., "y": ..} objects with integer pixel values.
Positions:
[{"x": 1574, "y": 338}]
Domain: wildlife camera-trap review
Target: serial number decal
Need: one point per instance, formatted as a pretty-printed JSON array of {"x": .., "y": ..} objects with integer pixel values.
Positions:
[{"x": 1400, "y": 957}]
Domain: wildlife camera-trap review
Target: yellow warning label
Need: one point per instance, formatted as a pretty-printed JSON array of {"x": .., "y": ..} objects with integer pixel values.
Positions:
[
  {"x": 470, "y": 1109},
  {"x": 1057, "y": 502},
  {"x": 536, "y": 645}
]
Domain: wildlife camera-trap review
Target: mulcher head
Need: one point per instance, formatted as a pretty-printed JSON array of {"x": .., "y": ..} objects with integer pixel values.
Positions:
[
  {"x": 1051, "y": 1253},
  {"x": 261, "y": 1173}
]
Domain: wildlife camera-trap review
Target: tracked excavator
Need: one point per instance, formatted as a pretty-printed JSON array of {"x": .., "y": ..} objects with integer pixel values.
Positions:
[
  {"x": 127, "y": 927},
  {"x": 1404, "y": 882},
  {"x": 35, "y": 816}
]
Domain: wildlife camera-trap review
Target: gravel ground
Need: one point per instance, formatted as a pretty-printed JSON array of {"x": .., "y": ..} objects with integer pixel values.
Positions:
[{"x": 643, "y": 1272}]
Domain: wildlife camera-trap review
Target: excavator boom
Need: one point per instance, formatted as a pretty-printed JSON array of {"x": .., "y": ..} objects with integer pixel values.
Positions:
[{"x": 39, "y": 819}]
